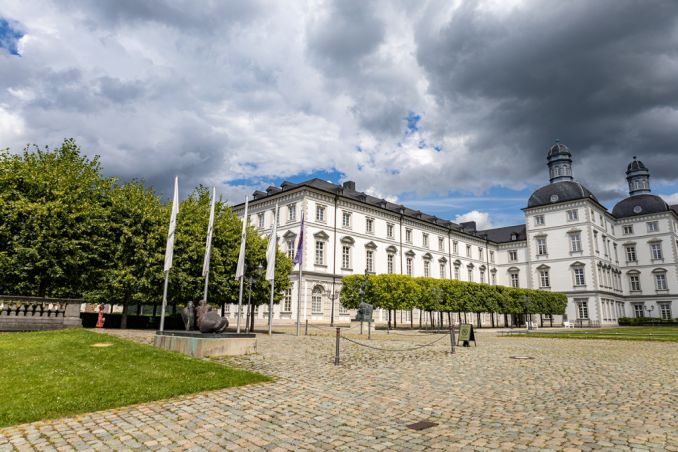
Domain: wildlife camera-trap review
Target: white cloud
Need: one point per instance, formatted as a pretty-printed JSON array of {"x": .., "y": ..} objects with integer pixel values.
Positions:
[
  {"x": 670, "y": 199},
  {"x": 482, "y": 219}
]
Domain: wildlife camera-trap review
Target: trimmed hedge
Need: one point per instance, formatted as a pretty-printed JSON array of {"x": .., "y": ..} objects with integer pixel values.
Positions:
[
  {"x": 388, "y": 291},
  {"x": 646, "y": 321}
]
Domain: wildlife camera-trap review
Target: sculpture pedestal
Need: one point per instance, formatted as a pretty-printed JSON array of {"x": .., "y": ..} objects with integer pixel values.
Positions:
[{"x": 200, "y": 345}]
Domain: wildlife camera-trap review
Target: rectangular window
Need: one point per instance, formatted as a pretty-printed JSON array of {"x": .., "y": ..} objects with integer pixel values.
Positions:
[
  {"x": 541, "y": 246},
  {"x": 470, "y": 274},
  {"x": 427, "y": 268},
  {"x": 260, "y": 220},
  {"x": 409, "y": 266},
  {"x": 369, "y": 261},
  {"x": 492, "y": 257},
  {"x": 455, "y": 248},
  {"x": 656, "y": 251},
  {"x": 575, "y": 242},
  {"x": 539, "y": 220},
  {"x": 513, "y": 255},
  {"x": 369, "y": 225},
  {"x": 456, "y": 273},
  {"x": 582, "y": 309},
  {"x": 634, "y": 282},
  {"x": 494, "y": 279},
  {"x": 630, "y": 253},
  {"x": 468, "y": 250},
  {"x": 442, "y": 270},
  {"x": 638, "y": 310},
  {"x": 389, "y": 263},
  {"x": 660, "y": 279},
  {"x": 481, "y": 253},
  {"x": 572, "y": 215},
  {"x": 291, "y": 212},
  {"x": 408, "y": 235},
  {"x": 628, "y": 229},
  {"x": 579, "y": 277},
  {"x": 287, "y": 302},
  {"x": 441, "y": 244},
  {"x": 319, "y": 253},
  {"x": 346, "y": 219},
  {"x": 652, "y": 226},
  {"x": 665, "y": 311},
  {"x": 389, "y": 230},
  {"x": 515, "y": 281},
  {"x": 482, "y": 277},
  {"x": 320, "y": 214},
  {"x": 290, "y": 248},
  {"x": 346, "y": 257},
  {"x": 424, "y": 240},
  {"x": 544, "y": 280}
]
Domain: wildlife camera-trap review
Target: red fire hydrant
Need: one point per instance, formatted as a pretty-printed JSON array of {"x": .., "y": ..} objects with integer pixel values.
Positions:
[{"x": 100, "y": 320}]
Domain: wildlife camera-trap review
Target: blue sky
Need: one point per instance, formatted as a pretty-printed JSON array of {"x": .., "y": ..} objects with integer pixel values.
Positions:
[{"x": 9, "y": 37}]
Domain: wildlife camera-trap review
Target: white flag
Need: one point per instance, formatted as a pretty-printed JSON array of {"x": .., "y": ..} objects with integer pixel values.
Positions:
[
  {"x": 208, "y": 243},
  {"x": 169, "y": 251},
  {"x": 270, "y": 252},
  {"x": 240, "y": 271}
]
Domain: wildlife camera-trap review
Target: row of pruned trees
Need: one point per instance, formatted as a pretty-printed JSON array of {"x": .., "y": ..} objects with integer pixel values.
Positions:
[
  {"x": 400, "y": 292},
  {"x": 68, "y": 231}
]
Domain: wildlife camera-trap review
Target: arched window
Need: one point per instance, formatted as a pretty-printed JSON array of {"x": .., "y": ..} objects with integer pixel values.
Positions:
[{"x": 317, "y": 300}]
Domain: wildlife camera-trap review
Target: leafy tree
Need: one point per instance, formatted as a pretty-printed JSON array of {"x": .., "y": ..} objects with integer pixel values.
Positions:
[
  {"x": 136, "y": 238},
  {"x": 53, "y": 211}
]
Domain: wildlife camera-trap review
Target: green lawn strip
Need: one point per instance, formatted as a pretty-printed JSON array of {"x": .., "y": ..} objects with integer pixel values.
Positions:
[{"x": 58, "y": 373}]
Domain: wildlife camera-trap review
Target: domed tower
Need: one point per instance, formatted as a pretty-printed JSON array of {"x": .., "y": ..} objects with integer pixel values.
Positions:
[
  {"x": 638, "y": 177},
  {"x": 560, "y": 163}
]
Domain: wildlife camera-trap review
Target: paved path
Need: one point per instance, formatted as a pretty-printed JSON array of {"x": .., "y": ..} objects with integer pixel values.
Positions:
[{"x": 574, "y": 395}]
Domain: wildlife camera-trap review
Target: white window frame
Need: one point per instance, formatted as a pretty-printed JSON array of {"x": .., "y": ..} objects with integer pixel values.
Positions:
[
  {"x": 515, "y": 279},
  {"x": 319, "y": 252},
  {"x": 539, "y": 220},
  {"x": 441, "y": 244},
  {"x": 427, "y": 268},
  {"x": 390, "y": 266},
  {"x": 652, "y": 226},
  {"x": 291, "y": 212},
  {"x": 290, "y": 248},
  {"x": 424, "y": 239},
  {"x": 389, "y": 230},
  {"x": 573, "y": 215},
  {"x": 665, "y": 310},
  {"x": 346, "y": 219},
  {"x": 320, "y": 213},
  {"x": 579, "y": 276},
  {"x": 630, "y": 252},
  {"x": 656, "y": 253},
  {"x": 369, "y": 225},
  {"x": 634, "y": 282},
  {"x": 369, "y": 261},
  {"x": 542, "y": 250},
  {"x": 409, "y": 265},
  {"x": 408, "y": 235},
  {"x": 513, "y": 255},
  {"x": 317, "y": 301},
  {"x": 627, "y": 229},
  {"x": 544, "y": 278},
  {"x": 575, "y": 242},
  {"x": 346, "y": 257},
  {"x": 660, "y": 281}
]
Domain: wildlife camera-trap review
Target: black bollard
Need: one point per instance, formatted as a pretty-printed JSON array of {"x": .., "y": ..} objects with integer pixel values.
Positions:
[{"x": 452, "y": 338}]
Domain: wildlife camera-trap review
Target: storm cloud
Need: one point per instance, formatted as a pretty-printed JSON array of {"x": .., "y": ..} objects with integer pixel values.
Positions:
[{"x": 240, "y": 94}]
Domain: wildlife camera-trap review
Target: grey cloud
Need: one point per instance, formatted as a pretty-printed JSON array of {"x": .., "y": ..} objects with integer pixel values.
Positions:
[{"x": 583, "y": 72}]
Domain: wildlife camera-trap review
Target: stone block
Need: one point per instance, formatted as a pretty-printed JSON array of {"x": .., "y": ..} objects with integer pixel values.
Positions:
[{"x": 200, "y": 345}]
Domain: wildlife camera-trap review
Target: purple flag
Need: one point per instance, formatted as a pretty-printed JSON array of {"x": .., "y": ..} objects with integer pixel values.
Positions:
[{"x": 300, "y": 246}]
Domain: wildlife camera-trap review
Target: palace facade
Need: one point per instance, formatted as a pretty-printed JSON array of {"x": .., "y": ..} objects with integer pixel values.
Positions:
[{"x": 622, "y": 263}]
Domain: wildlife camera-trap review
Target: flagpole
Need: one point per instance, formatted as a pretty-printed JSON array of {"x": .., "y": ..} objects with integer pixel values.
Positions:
[
  {"x": 299, "y": 297},
  {"x": 208, "y": 244},
  {"x": 270, "y": 265},
  {"x": 169, "y": 250},
  {"x": 299, "y": 259},
  {"x": 240, "y": 271},
  {"x": 164, "y": 303}
]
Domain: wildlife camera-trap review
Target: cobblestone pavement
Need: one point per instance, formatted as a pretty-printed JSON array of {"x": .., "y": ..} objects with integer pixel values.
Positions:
[{"x": 573, "y": 395}]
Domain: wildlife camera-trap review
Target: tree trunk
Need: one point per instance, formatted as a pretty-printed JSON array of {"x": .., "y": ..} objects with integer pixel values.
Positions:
[
  {"x": 492, "y": 318},
  {"x": 395, "y": 319},
  {"x": 411, "y": 319},
  {"x": 138, "y": 308},
  {"x": 506, "y": 320},
  {"x": 478, "y": 318},
  {"x": 125, "y": 308},
  {"x": 252, "y": 320},
  {"x": 389, "y": 319}
]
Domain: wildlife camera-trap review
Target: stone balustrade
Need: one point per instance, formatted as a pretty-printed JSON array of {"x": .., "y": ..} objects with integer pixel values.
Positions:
[{"x": 34, "y": 313}]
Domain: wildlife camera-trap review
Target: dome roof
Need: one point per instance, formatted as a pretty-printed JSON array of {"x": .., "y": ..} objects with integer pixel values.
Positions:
[
  {"x": 559, "y": 192},
  {"x": 635, "y": 165},
  {"x": 639, "y": 205},
  {"x": 558, "y": 149}
]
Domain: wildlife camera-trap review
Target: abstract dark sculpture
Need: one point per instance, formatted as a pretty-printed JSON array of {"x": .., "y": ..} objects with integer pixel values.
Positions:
[
  {"x": 364, "y": 312},
  {"x": 203, "y": 318}
]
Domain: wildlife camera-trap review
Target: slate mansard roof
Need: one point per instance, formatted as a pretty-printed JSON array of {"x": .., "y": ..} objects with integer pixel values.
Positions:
[
  {"x": 641, "y": 205},
  {"x": 347, "y": 190},
  {"x": 506, "y": 234},
  {"x": 559, "y": 192}
]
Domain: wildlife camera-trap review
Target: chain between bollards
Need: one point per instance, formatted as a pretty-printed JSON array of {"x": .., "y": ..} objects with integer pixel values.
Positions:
[
  {"x": 452, "y": 338},
  {"x": 336, "y": 352}
]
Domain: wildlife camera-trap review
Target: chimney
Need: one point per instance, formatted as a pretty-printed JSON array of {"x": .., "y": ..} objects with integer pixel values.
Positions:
[{"x": 349, "y": 185}]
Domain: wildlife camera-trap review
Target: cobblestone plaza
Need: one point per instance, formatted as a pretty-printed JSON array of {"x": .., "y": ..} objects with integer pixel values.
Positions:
[{"x": 572, "y": 395}]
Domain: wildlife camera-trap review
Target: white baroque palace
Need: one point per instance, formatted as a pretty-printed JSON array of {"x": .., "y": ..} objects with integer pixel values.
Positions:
[{"x": 615, "y": 264}]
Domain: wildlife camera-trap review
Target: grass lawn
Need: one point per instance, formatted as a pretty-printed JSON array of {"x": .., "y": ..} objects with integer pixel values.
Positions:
[
  {"x": 631, "y": 333},
  {"x": 58, "y": 373}
]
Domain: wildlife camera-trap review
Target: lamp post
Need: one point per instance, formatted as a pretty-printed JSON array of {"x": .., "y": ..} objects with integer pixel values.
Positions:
[
  {"x": 649, "y": 310},
  {"x": 333, "y": 296}
]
